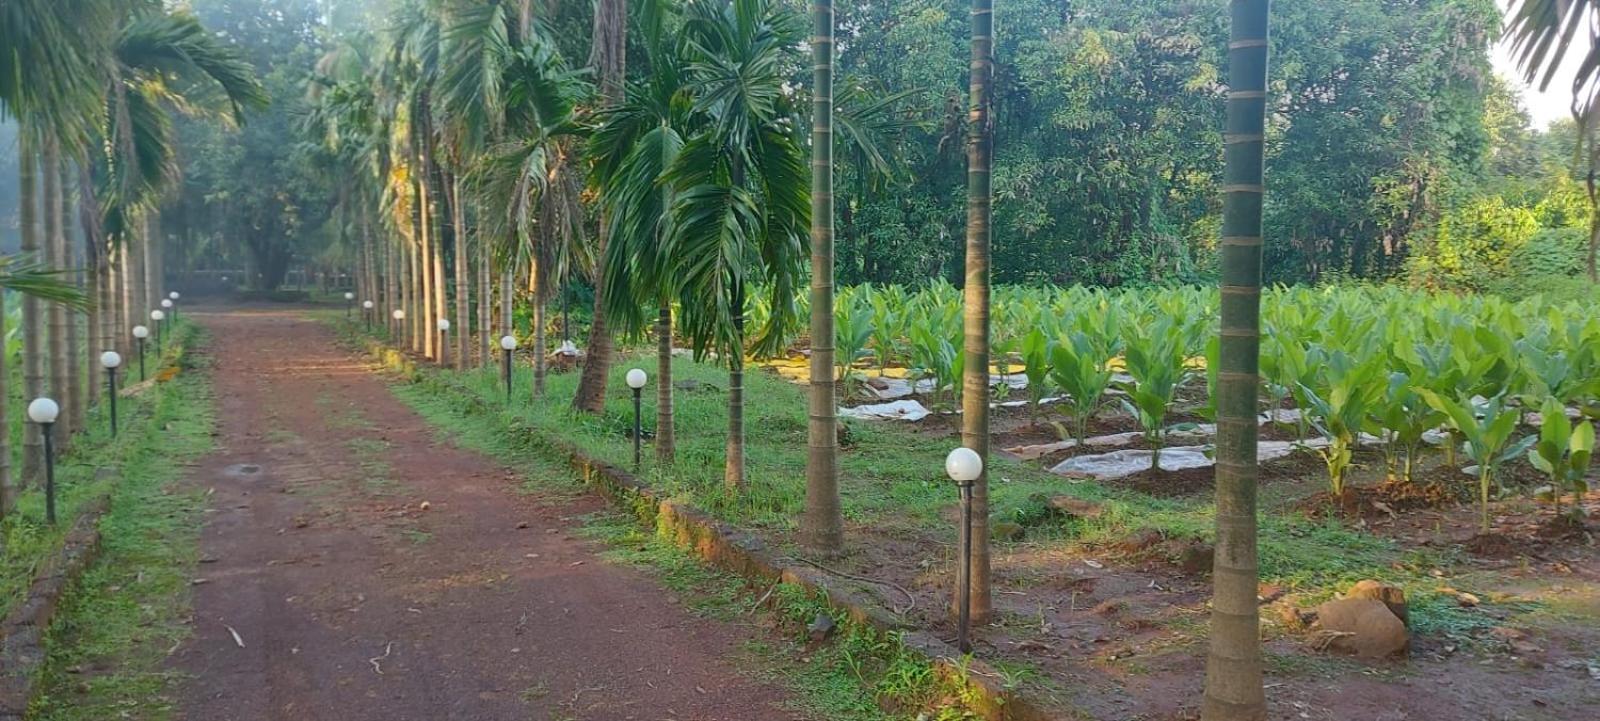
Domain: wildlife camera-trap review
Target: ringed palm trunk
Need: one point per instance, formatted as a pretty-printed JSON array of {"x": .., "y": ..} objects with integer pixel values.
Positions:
[
  {"x": 485, "y": 288},
  {"x": 508, "y": 295},
  {"x": 440, "y": 307},
  {"x": 822, "y": 527},
  {"x": 33, "y": 316},
  {"x": 56, "y": 256},
  {"x": 8, "y": 493},
  {"x": 666, "y": 437},
  {"x": 76, "y": 348},
  {"x": 537, "y": 279},
  {"x": 1233, "y": 690},
  {"x": 975, "y": 300},
  {"x": 733, "y": 472},
  {"x": 463, "y": 322}
]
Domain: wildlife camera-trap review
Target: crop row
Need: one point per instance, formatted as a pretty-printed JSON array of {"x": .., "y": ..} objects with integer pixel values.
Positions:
[{"x": 1358, "y": 362}]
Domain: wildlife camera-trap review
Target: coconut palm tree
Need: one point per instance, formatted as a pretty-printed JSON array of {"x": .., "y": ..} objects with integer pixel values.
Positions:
[
  {"x": 740, "y": 209},
  {"x": 1233, "y": 690},
  {"x": 822, "y": 526},
  {"x": 975, "y": 301}
]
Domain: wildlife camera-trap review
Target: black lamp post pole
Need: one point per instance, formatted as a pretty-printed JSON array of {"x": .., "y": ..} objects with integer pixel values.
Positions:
[
  {"x": 637, "y": 430},
  {"x": 49, "y": 474},
  {"x": 141, "y": 360},
  {"x": 507, "y": 370},
  {"x": 111, "y": 381},
  {"x": 964, "y": 575}
]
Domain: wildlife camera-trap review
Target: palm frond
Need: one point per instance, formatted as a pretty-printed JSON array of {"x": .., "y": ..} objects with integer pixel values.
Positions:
[{"x": 28, "y": 276}]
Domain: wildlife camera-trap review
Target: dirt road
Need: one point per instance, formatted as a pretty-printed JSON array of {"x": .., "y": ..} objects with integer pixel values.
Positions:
[{"x": 327, "y": 591}]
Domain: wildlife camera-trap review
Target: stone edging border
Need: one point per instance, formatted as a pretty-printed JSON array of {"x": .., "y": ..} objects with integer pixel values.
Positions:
[
  {"x": 22, "y": 633},
  {"x": 732, "y": 549}
]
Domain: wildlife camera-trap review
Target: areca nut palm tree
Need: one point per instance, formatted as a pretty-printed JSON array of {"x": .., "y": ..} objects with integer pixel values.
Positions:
[
  {"x": 822, "y": 526},
  {"x": 1233, "y": 690}
]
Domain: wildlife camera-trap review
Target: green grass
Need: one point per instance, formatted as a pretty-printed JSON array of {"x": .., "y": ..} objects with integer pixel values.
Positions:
[
  {"x": 25, "y": 538},
  {"x": 851, "y": 678},
  {"x": 891, "y": 478},
  {"x": 891, "y": 484},
  {"x": 116, "y": 626}
]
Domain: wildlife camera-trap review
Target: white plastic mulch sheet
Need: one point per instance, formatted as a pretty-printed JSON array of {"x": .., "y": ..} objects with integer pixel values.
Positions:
[
  {"x": 892, "y": 411},
  {"x": 1124, "y": 463}
]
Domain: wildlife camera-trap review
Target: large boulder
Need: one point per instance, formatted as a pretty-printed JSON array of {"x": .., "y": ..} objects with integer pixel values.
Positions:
[
  {"x": 1391, "y": 596},
  {"x": 1362, "y": 627}
]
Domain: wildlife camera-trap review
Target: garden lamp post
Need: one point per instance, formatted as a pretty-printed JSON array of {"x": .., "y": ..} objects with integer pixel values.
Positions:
[
  {"x": 508, "y": 344},
  {"x": 636, "y": 381},
  {"x": 964, "y": 466},
  {"x": 43, "y": 411},
  {"x": 171, "y": 309},
  {"x": 156, "y": 317},
  {"x": 349, "y": 303},
  {"x": 444, "y": 345},
  {"x": 111, "y": 360},
  {"x": 399, "y": 316},
  {"x": 140, "y": 333},
  {"x": 174, "y": 296},
  {"x": 366, "y": 313}
]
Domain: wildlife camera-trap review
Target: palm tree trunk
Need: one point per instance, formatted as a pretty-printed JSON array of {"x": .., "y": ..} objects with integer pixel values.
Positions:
[
  {"x": 56, "y": 255},
  {"x": 822, "y": 527},
  {"x": 733, "y": 472},
  {"x": 508, "y": 295},
  {"x": 608, "y": 56},
  {"x": 666, "y": 436},
  {"x": 94, "y": 272},
  {"x": 1233, "y": 690},
  {"x": 537, "y": 277},
  {"x": 78, "y": 408},
  {"x": 8, "y": 494},
  {"x": 152, "y": 261},
  {"x": 485, "y": 290},
  {"x": 434, "y": 263},
  {"x": 463, "y": 322},
  {"x": 975, "y": 300},
  {"x": 33, "y": 315}
]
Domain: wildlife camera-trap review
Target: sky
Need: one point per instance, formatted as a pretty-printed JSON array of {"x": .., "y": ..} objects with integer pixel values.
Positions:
[{"x": 1548, "y": 106}]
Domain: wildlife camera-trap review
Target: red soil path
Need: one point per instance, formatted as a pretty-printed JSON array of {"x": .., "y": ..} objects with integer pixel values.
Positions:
[{"x": 351, "y": 602}]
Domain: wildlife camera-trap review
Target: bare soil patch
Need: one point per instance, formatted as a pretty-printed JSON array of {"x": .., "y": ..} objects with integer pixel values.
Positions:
[{"x": 369, "y": 571}]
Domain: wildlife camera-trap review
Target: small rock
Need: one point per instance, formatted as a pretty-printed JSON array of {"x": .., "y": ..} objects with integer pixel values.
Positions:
[
  {"x": 425, "y": 505},
  {"x": 522, "y": 524},
  {"x": 1007, "y": 531},
  {"x": 1362, "y": 627},
  {"x": 1195, "y": 557},
  {"x": 1140, "y": 540},
  {"x": 1391, "y": 596},
  {"x": 820, "y": 628},
  {"x": 1076, "y": 507}
]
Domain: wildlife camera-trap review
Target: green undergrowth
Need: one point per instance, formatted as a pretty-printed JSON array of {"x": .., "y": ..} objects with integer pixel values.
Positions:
[
  {"x": 116, "y": 626},
  {"x": 859, "y": 674},
  {"x": 891, "y": 480},
  {"x": 85, "y": 472}
]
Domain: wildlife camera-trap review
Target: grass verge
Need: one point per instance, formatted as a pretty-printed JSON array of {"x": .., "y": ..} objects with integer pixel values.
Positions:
[
  {"x": 858, "y": 674},
  {"x": 116, "y": 626}
]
